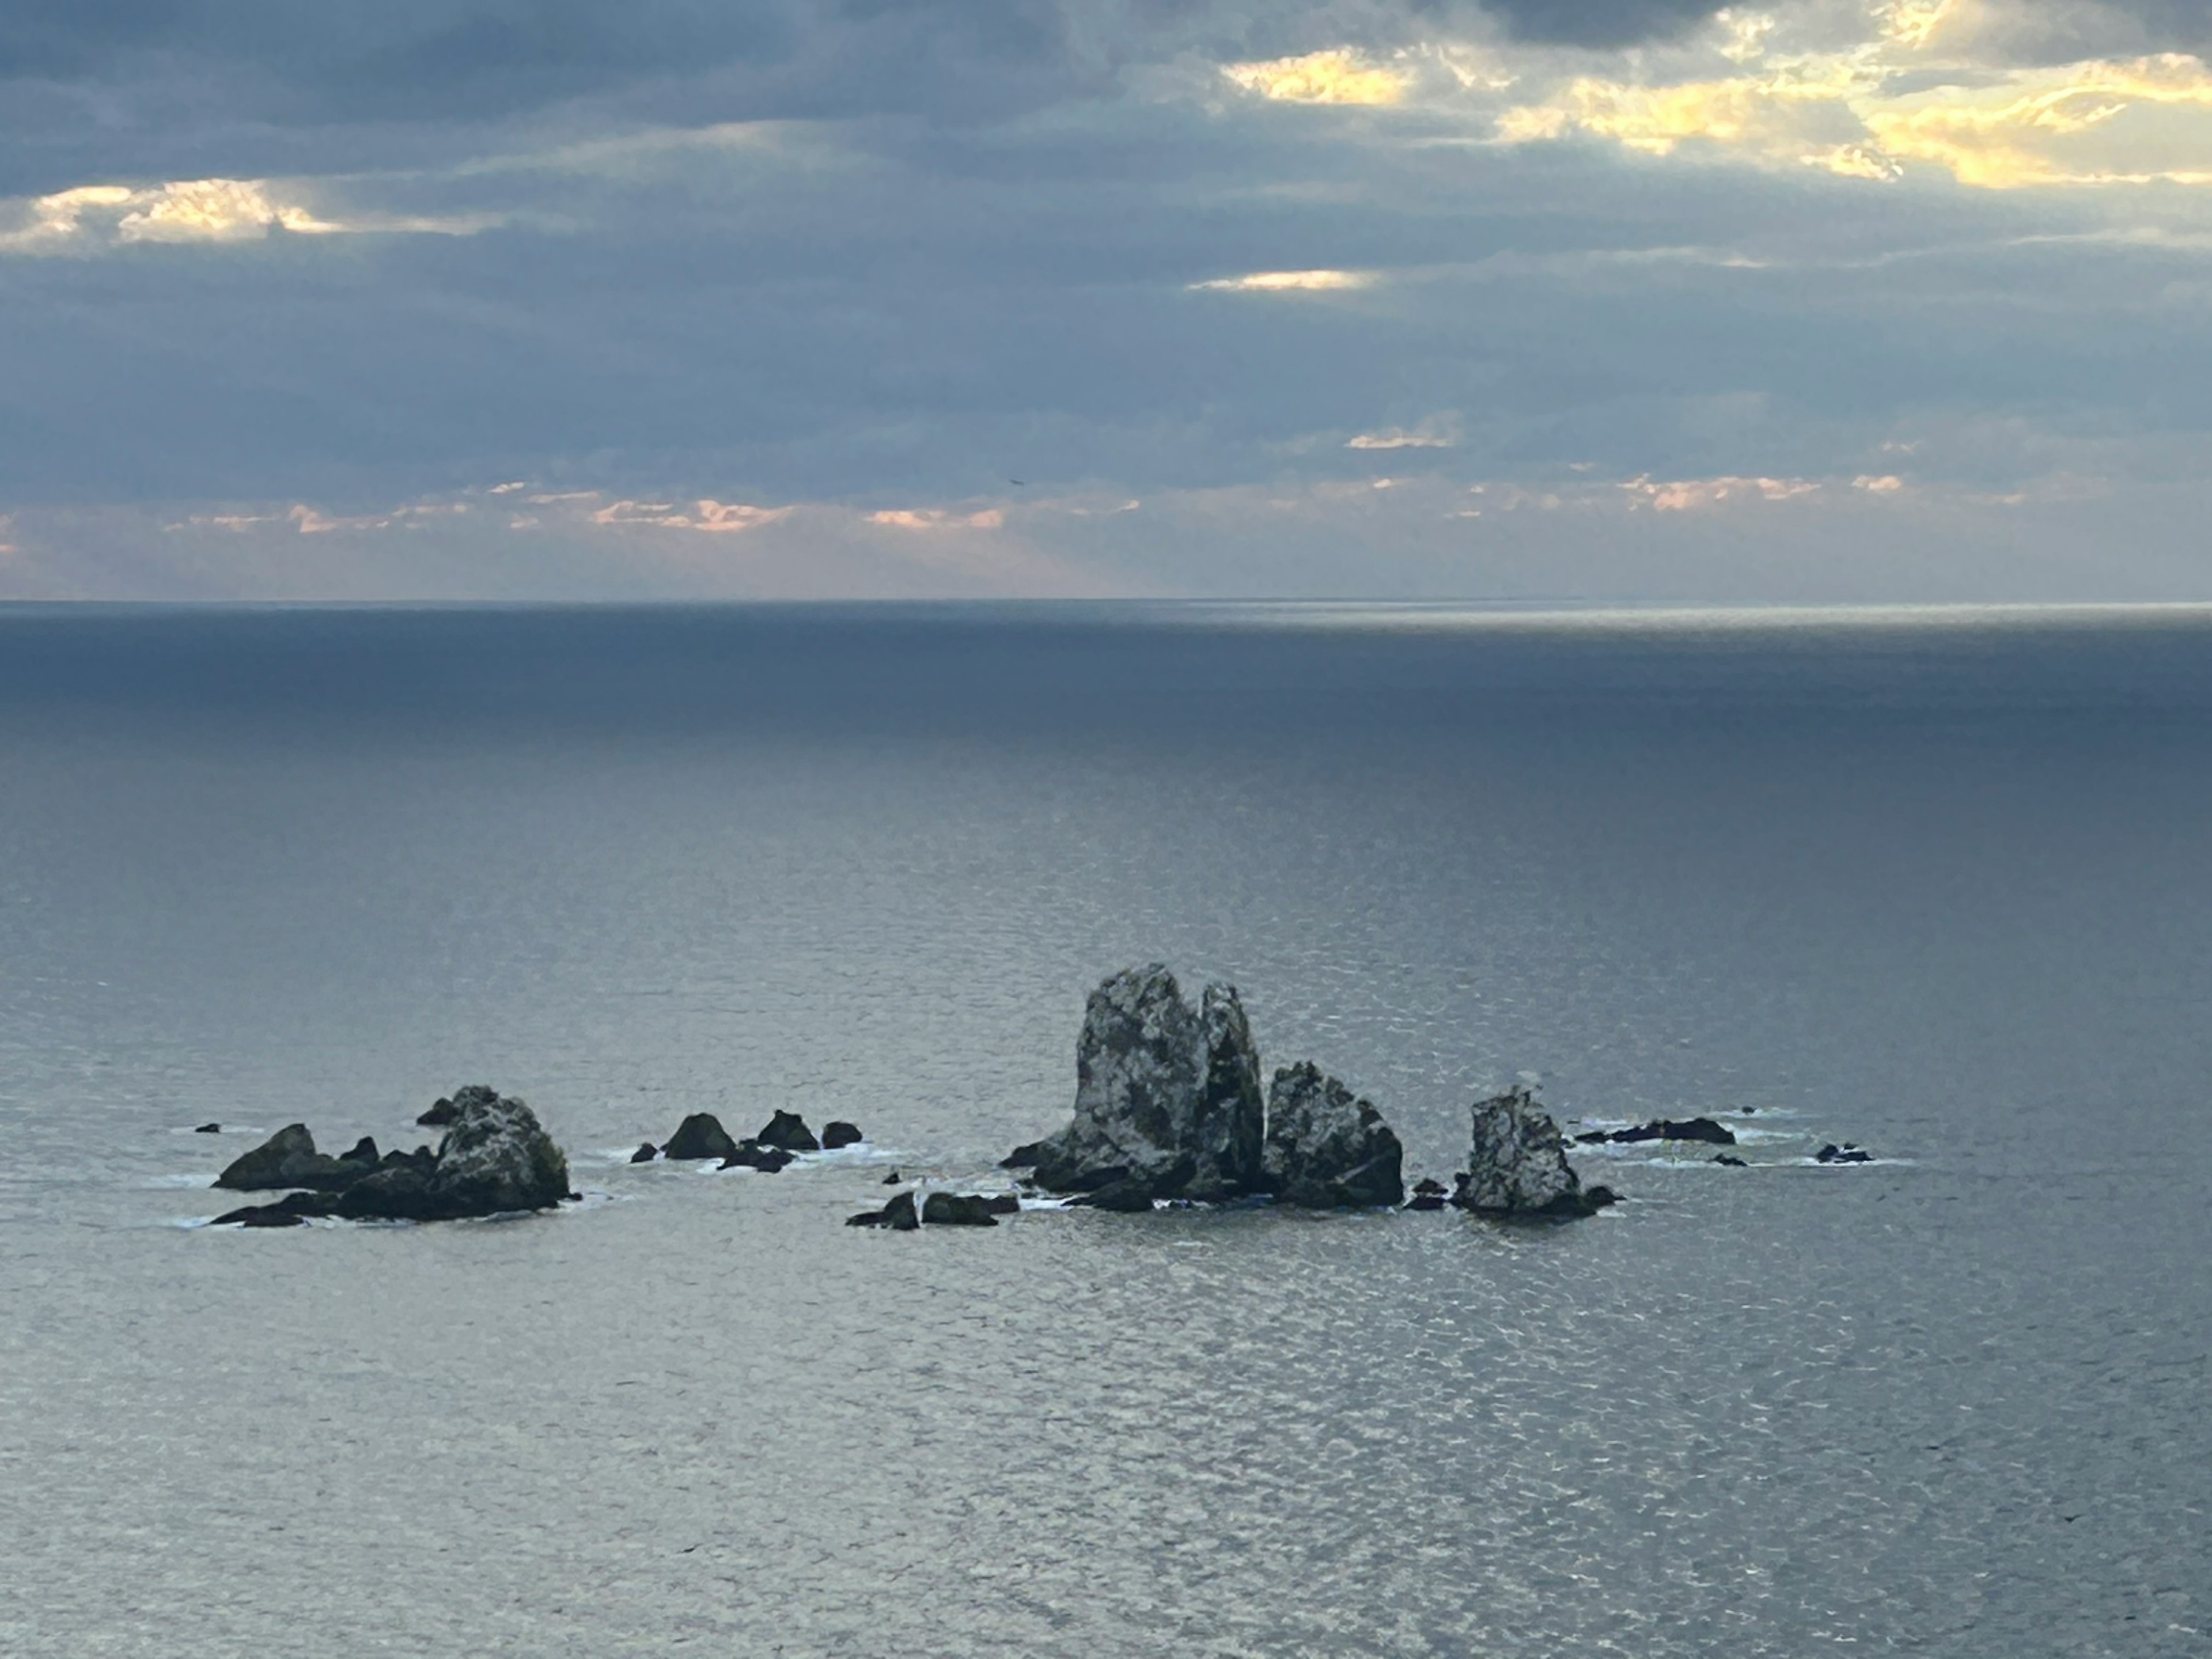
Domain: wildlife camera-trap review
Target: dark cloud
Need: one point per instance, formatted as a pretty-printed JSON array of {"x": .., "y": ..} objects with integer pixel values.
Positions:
[
  {"x": 338, "y": 60},
  {"x": 469, "y": 59},
  {"x": 1600, "y": 22}
]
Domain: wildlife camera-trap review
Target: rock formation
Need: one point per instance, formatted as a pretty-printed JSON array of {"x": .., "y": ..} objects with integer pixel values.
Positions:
[
  {"x": 700, "y": 1135},
  {"x": 1694, "y": 1128},
  {"x": 1167, "y": 1098},
  {"x": 750, "y": 1154},
  {"x": 837, "y": 1133},
  {"x": 209, "y": 1129},
  {"x": 290, "y": 1210},
  {"x": 939, "y": 1210},
  {"x": 288, "y": 1158},
  {"x": 789, "y": 1130},
  {"x": 1327, "y": 1149},
  {"x": 1517, "y": 1165},
  {"x": 495, "y": 1157},
  {"x": 645, "y": 1153},
  {"x": 898, "y": 1215},
  {"x": 1849, "y": 1152},
  {"x": 961, "y": 1210},
  {"x": 1428, "y": 1194}
]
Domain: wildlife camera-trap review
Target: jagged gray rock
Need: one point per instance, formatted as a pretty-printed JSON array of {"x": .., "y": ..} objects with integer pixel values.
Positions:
[
  {"x": 1517, "y": 1164},
  {"x": 496, "y": 1158},
  {"x": 1327, "y": 1149},
  {"x": 1167, "y": 1097}
]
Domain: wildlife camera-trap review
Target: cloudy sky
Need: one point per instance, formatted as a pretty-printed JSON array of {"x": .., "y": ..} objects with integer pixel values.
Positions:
[{"x": 1594, "y": 299}]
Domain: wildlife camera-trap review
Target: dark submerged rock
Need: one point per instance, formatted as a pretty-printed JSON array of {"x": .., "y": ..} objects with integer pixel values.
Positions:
[
  {"x": 751, "y": 1155},
  {"x": 1846, "y": 1153},
  {"x": 892, "y": 1179},
  {"x": 1126, "y": 1197},
  {"x": 496, "y": 1159},
  {"x": 645, "y": 1153},
  {"x": 840, "y": 1134},
  {"x": 1517, "y": 1165},
  {"x": 1694, "y": 1128},
  {"x": 286, "y": 1159},
  {"x": 958, "y": 1210},
  {"x": 1731, "y": 1160},
  {"x": 898, "y": 1215},
  {"x": 209, "y": 1129},
  {"x": 788, "y": 1131},
  {"x": 1326, "y": 1148},
  {"x": 1167, "y": 1098},
  {"x": 1428, "y": 1194},
  {"x": 700, "y": 1135},
  {"x": 290, "y": 1210}
]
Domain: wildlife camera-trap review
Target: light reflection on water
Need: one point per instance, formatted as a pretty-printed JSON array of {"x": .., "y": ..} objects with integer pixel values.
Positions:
[{"x": 1939, "y": 890}]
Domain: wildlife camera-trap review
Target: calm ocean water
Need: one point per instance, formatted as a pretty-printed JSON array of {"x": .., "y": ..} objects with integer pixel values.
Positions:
[{"x": 1939, "y": 885}]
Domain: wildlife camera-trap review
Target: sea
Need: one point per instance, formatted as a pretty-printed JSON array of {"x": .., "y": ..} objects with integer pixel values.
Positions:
[{"x": 1936, "y": 883}]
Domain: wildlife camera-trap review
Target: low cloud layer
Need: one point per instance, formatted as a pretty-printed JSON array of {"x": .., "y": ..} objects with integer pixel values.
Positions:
[{"x": 1841, "y": 299}]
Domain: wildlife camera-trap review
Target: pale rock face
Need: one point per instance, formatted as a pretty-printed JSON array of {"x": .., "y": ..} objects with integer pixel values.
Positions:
[
  {"x": 494, "y": 1158},
  {"x": 497, "y": 1156},
  {"x": 1517, "y": 1165},
  {"x": 1167, "y": 1096},
  {"x": 1328, "y": 1149}
]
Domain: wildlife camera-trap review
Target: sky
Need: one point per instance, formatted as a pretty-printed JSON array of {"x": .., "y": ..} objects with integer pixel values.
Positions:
[{"x": 1572, "y": 299}]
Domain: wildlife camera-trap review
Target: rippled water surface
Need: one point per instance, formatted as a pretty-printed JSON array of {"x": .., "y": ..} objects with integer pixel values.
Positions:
[{"x": 1943, "y": 887}]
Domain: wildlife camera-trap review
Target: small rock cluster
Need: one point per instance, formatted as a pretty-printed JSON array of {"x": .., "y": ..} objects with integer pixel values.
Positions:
[
  {"x": 494, "y": 1158},
  {"x": 939, "y": 1210},
  {"x": 702, "y": 1136}
]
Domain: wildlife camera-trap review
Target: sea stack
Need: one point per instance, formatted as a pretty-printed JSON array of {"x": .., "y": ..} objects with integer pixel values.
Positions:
[
  {"x": 1167, "y": 1098},
  {"x": 1517, "y": 1164},
  {"x": 1327, "y": 1149}
]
